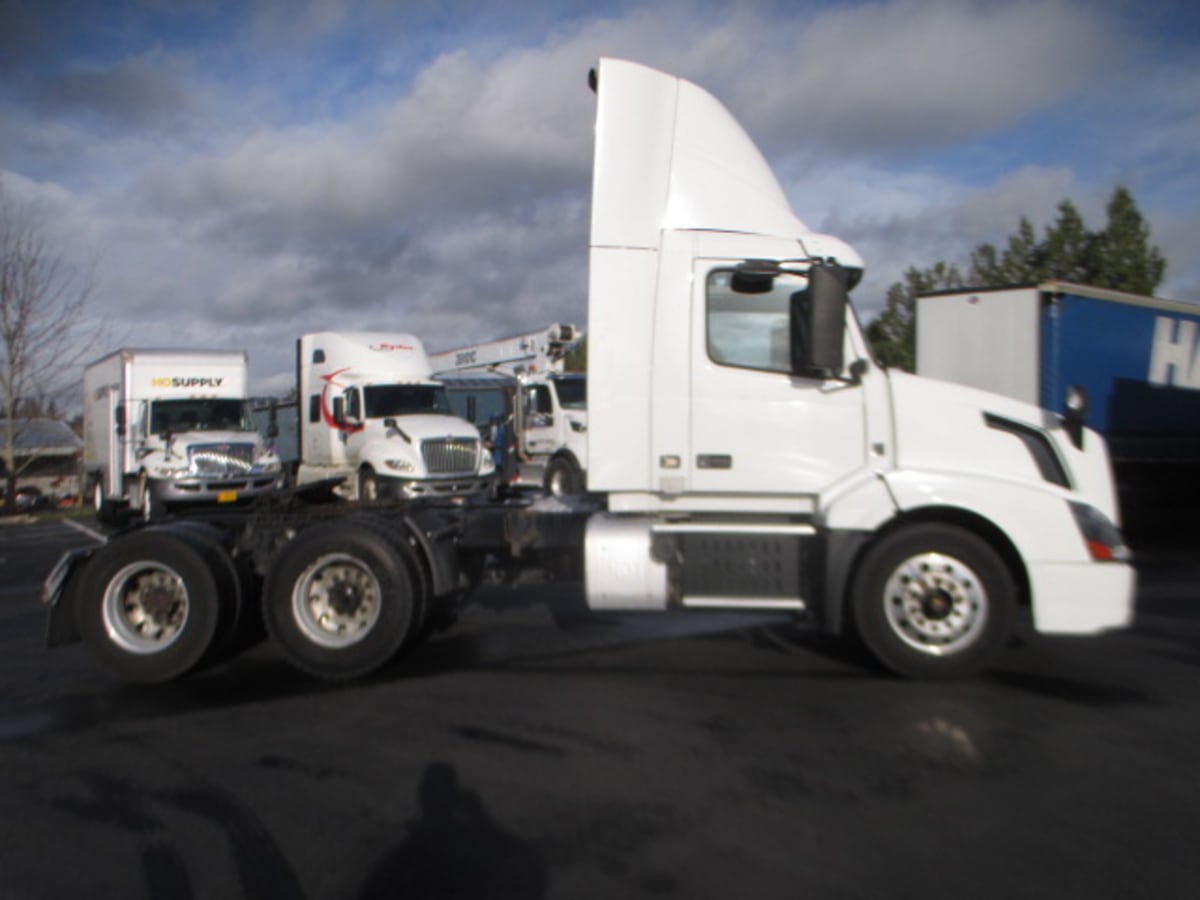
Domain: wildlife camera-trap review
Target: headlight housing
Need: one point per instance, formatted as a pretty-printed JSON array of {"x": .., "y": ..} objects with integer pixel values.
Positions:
[
  {"x": 398, "y": 465},
  {"x": 1102, "y": 538},
  {"x": 161, "y": 471}
]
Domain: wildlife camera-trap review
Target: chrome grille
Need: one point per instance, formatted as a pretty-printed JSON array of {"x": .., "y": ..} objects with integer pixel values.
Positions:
[
  {"x": 450, "y": 456},
  {"x": 221, "y": 460}
]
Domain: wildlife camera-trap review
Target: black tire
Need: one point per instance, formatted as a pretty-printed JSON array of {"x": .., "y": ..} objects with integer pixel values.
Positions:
[
  {"x": 149, "y": 605},
  {"x": 342, "y": 598},
  {"x": 368, "y": 485},
  {"x": 563, "y": 477},
  {"x": 240, "y": 625},
  {"x": 933, "y": 601},
  {"x": 105, "y": 511},
  {"x": 149, "y": 507}
]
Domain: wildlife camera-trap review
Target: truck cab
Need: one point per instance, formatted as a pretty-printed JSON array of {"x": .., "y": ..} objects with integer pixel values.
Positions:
[
  {"x": 172, "y": 427},
  {"x": 375, "y": 417},
  {"x": 548, "y": 405},
  {"x": 200, "y": 449}
]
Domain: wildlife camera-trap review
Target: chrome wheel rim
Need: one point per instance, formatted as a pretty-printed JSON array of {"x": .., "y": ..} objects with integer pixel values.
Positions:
[
  {"x": 936, "y": 603},
  {"x": 336, "y": 601},
  {"x": 145, "y": 607}
]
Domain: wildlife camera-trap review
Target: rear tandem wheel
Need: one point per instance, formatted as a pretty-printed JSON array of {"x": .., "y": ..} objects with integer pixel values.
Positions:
[{"x": 342, "y": 599}]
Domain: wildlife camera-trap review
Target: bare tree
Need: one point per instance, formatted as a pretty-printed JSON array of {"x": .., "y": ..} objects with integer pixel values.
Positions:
[{"x": 42, "y": 300}]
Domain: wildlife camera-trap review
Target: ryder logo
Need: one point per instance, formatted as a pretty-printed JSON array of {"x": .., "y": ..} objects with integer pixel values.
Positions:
[{"x": 1174, "y": 361}]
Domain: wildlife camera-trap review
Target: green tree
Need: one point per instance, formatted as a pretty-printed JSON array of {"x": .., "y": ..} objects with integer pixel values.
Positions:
[
  {"x": 1124, "y": 257},
  {"x": 576, "y": 359},
  {"x": 892, "y": 334},
  {"x": 1119, "y": 257}
]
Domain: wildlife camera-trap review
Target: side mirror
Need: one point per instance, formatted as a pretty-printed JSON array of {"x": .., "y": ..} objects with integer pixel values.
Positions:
[
  {"x": 339, "y": 411},
  {"x": 1077, "y": 407},
  {"x": 119, "y": 415},
  {"x": 273, "y": 422},
  {"x": 819, "y": 322}
]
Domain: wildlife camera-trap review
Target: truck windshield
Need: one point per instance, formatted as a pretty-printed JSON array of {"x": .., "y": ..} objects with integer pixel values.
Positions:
[
  {"x": 228, "y": 414},
  {"x": 383, "y": 400},
  {"x": 572, "y": 392}
]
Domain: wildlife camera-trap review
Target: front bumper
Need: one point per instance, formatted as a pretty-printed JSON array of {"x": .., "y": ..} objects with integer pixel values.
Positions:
[
  {"x": 217, "y": 490},
  {"x": 1082, "y": 597},
  {"x": 410, "y": 489}
]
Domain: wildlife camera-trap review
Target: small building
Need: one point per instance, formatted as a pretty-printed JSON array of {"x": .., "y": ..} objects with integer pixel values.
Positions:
[{"x": 47, "y": 458}]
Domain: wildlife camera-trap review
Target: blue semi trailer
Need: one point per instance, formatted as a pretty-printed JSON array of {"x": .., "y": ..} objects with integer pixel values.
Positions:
[{"x": 1137, "y": 358}]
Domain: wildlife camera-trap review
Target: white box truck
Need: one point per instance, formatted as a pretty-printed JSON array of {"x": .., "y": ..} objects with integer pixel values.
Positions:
[
  {"x": 164, "y": 427},
  {"x": 549, "y": 418},
  {"x": 745, "y": 453},
  {"x": 371, "y": 413}
]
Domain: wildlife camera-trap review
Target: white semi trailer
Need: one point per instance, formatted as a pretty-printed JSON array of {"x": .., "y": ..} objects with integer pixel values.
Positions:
[
  {"x": 172, "y": 427},
  {"x": 744, "y": 453}
]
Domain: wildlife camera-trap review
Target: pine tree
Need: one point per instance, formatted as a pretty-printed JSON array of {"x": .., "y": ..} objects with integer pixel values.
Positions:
[
  {"x": 1125, "y": 261},
  {"x": 1119, "y": 258}
]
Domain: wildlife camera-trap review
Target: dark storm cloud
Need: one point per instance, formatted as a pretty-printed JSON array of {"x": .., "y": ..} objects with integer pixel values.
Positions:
[{"x": 128, "y": 95}]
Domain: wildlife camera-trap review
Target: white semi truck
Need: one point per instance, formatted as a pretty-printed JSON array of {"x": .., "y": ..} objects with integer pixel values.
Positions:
[
  {"x": 549, "y": 418},
  {"x": 168, "y": 427},
  {"x": 371, "y": 413},
  {"x": 745, "y": 453}
]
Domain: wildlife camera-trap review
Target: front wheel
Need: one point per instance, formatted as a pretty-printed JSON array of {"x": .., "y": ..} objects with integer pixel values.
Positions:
[
  {"x": 368, "y": 485},
  {"x": 151, "y": 508},
  {"x": 933, "y": 601},
  {"x": 563, "y": 477}
]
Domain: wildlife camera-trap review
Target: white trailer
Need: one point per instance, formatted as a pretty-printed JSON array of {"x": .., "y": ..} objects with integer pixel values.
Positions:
[
  {"x": 165, "y": 427},
  {"x": 371, "y": 413},
  {"x": 745, "y": 453},
  {"x": 549, "y": 420}
]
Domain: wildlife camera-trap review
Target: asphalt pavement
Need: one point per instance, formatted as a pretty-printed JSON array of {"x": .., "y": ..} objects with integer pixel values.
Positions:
[{"x": 524, "y": 754}]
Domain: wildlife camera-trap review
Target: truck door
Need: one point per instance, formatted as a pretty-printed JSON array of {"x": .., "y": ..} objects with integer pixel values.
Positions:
[
  {"x": 539, "y": 420},
  {"x": 755, "y": 427}
]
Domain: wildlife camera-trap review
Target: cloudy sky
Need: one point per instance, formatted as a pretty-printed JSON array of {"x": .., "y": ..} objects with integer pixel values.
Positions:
[{"x": 239, "y": 173}]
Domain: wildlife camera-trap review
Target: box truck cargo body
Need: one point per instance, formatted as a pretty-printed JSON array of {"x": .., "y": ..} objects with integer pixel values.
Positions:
[
  {"x": 164, "y": 427},
  {"x": 372, "y": 414},
  {"x": 744, "y": 453},
  {"x": 1134, "y": 356}
]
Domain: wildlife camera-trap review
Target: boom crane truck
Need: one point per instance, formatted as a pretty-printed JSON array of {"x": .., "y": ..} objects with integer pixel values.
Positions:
[
  {"x": 744, "y": 453},
  {"x": 549, "y": 404}
]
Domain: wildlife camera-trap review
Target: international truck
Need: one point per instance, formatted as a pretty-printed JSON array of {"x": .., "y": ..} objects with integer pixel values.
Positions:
[
  {"x": 745, "y": 453},
  {"x": 549, "y": 418},
  {"x": 1132, "y": 359},
  {"x": 171, "y": 427},
  {"x": 372, "y": 415}
]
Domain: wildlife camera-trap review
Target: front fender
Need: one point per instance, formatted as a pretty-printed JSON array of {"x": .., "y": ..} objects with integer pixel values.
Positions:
[
  {"x": 1038, "y": 521},
  {"x": 376, "y": 453}
]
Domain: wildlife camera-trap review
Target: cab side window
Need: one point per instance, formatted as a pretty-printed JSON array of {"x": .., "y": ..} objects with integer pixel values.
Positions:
[{"x": 749, "y": 323}]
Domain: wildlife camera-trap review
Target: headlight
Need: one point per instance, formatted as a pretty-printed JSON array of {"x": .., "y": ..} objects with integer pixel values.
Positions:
[
  {"x": 577, "y": 426},
  {"x": 398, "y": 465},
  {"x": 487, "y": 465},
  {"x": 168, "y": 471},
  {"x": 270, "y": 467},
  {"x": 1102, "y": 537}
]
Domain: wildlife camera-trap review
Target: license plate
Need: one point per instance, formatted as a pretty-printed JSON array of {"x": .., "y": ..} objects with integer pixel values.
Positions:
[{"x": 227, "y": 497}]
